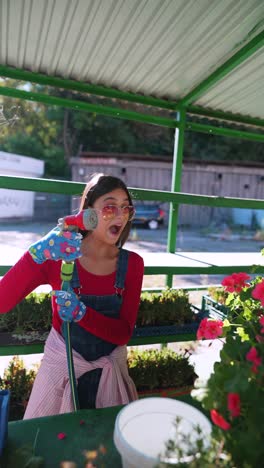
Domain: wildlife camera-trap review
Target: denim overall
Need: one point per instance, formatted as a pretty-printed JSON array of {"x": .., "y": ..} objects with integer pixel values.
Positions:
[{"x": 88, "y": 345}]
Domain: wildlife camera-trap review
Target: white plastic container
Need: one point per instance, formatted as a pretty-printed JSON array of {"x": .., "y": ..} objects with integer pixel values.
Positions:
[{"x": 143, "y": 427}]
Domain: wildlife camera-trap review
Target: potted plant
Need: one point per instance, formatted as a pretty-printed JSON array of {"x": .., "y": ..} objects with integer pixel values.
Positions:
[
  {"x": 18, "y": 381},
  {"x": 161, "y": 372},
  {"x": 154, "y": 372},
  {"x": 166, "y": 313},
  {"x": 234, "y": 393},
  {"x": 29, "y": 321}
]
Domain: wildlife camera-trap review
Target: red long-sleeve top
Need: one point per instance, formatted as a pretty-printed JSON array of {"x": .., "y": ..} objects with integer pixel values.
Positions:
[{"x": 26, "y": 275}]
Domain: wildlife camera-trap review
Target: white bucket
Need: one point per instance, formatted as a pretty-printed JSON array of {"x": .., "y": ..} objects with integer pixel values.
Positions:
[{"x": 143, "y": 428}]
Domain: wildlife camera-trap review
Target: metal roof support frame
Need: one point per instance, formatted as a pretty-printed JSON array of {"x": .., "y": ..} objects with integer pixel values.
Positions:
[
  {"x": 249, "y": 49},
  {"x": 85, "y": 106}
]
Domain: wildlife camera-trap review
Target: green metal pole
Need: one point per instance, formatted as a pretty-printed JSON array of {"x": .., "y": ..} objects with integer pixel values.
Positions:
[{"x": 176, "y": 185}]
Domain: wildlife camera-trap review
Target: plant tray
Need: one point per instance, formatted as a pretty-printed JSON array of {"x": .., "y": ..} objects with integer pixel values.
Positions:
[
  {"x": 213, "y": 309},
  {"x": 166, "y": 330},
  {"x": 166, "y": 392}
]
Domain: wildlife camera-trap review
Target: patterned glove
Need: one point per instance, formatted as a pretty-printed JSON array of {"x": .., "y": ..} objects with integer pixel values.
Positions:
[
  {"x": 57, "y": 245},
  {"x": 70, "y": 308}
]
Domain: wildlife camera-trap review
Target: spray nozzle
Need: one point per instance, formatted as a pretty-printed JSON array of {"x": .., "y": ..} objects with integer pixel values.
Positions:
[{"x": 85, "y": 220}]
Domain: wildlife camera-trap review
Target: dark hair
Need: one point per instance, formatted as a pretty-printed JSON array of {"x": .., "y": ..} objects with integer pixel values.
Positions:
[{"x": 99, "y": 185}]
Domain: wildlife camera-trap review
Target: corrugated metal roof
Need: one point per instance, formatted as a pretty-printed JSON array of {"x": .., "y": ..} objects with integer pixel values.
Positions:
[{"x": 161, "y": 48}]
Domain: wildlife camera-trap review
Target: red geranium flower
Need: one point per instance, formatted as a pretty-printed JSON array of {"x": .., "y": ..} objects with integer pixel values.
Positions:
[
  {"x": 218, "y": 420},
  {"x": 253, "y": 356},
  {"x": 233, "y": 403},
  {"x": 209, "y": 329},
  {"x": 235, "y": 282},
  {"x": 258, "y": 292}
]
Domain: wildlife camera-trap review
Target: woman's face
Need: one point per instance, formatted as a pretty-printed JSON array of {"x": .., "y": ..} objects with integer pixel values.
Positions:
[{"x": 113, "y": 211}]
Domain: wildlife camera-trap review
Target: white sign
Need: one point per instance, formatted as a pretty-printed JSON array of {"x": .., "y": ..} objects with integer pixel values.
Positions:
[{"x": 18, "y": 203}]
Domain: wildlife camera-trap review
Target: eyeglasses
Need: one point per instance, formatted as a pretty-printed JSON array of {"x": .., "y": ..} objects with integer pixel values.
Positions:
[{"x": 112, "y": 211}]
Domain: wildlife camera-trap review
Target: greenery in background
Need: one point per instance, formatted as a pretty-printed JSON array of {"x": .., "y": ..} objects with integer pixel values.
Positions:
[
  {"x": 55, "y": 134},
  {"x": 18, "y": 380},
  {"x": 32, "y": 314},
  {"x": 218, "y": 294},
  {"x": 153, "y": 369},
  {"x": 171, "y": 307}
]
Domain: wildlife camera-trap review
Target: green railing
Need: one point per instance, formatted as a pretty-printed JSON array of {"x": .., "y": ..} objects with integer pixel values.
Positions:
[{"x": 175, "y": 198}]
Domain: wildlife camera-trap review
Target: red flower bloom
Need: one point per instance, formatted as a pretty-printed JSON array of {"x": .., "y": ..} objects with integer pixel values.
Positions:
[
  {"x": 233, "y": 404},
  {"x": 218, "y": 420},
  {"x": 235, "y": 282},
  {"x": 258, "y": 292},
  {"x": 209, "y": 329},
  {"x": 253, "y": 356},
  {"x": 61, "y": 435}
]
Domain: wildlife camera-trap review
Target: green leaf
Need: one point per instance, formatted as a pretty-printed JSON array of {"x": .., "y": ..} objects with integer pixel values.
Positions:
[{"x": 243, "y": 335}]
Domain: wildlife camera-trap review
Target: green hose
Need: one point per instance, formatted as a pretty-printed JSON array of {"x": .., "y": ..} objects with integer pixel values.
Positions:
[{"x": 66, "y": 275}]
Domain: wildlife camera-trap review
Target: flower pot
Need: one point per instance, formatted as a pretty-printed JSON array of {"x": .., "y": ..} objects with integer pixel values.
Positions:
[
  {"x": 143, "y": 428},
  {"x": 4, "y": 409},
  {"x": 171, "y": 392}
]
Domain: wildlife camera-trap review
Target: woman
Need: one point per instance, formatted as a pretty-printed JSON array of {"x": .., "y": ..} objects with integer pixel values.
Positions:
[{"x": 104, "y": 296}]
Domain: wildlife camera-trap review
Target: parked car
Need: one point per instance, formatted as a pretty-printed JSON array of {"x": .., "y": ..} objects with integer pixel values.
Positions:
[{"x": 151, "y": 216}]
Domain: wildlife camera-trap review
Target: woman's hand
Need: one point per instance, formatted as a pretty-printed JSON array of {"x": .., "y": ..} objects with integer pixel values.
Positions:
[
  {"x": 70, "y": 308},
  {"x": 57, "y": 245}
]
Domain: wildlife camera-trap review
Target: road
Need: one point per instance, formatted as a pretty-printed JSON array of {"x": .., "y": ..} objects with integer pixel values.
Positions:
[{"x": 16, "y": 238}]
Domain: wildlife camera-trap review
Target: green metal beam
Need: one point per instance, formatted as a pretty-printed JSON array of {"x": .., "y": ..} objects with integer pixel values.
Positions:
[
  {"x": 239, "y": 57},
  {"x": 76, "y": 188},
  {"x": 212, "y": 130},
  {"x": 56, "y": 82},
  {"x": 176, "y": 179},
  {"x": 228, "y": 116},
  {"x": 63, "y": 83},
  {"x": 176, "y": 186},
  {"x": 206, "y": 269},
  {"x": 84, "y": 106},
  {"x": 39, "y": 348},
  {"x": 41, "y": 185},
  {"x": 124, "y": 114}
]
